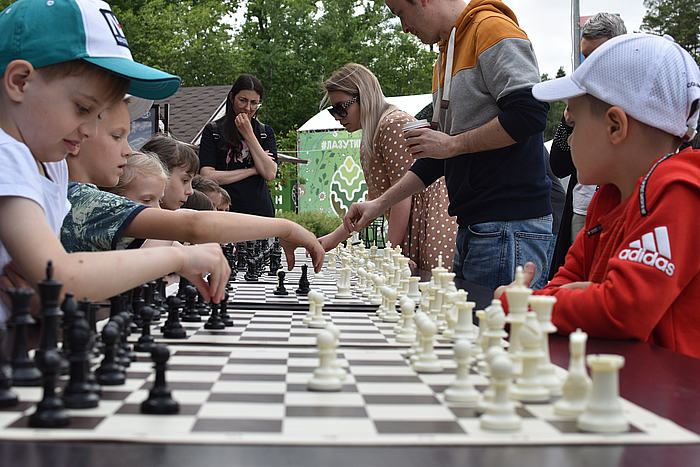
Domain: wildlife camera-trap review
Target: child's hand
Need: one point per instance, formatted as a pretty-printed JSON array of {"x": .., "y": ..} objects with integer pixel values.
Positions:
[
  {"x": 200, "y": 259},
  {"x": 528, "y": 274},
  {"x": 299, "y": 236}
]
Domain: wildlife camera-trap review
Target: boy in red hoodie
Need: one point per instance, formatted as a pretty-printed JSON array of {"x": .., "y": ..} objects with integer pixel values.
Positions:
[{"x": 634, "y": 270}]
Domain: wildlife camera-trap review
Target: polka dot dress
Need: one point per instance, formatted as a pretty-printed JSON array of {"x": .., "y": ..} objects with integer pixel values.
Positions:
[{"x": 431, "y": 232}]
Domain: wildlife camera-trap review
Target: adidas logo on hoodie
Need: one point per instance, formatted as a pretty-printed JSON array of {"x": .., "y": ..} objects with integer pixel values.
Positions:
[{"x": 654, "y": 249}]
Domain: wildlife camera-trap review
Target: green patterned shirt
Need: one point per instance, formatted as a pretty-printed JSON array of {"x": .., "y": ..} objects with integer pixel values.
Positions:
[{"x": 97, "y": 219}]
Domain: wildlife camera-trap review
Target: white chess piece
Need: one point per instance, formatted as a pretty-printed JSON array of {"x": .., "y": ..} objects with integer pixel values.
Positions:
[
  {"x": 500, "y": 413},
  {"x": 407, "y": 333},
  {"x": 427, "y": 361},
  {"x": 335, "y": 362},
  {"x": 577, "y": 386},
  {"x": 312, "y": 307},
  {"x": 390, "y": 315},
  {"x": 462, "y": 390},
  {"x": 464, "y": 329},
  {"x": 318, "y": 320},
  {"x": 528, "y": 386},
  {"x": 603, "y": 413},
  {"x": 344, "y": 284},
  {"x": 325, "y": 377},
  {"x": 492, "y": 333},
  {"x": 413, "y": 290},
  {"x": 542, "y": 305},
  {"x": 517, "y": 307}
]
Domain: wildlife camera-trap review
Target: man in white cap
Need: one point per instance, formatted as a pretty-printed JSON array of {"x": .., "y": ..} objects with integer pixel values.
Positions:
[{"x": 634, "y": 273}]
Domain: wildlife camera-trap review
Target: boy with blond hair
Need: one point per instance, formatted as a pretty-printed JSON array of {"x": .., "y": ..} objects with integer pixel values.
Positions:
[
  {"x": 62, "y": 64},
  {"x": 634, "y": 272}
]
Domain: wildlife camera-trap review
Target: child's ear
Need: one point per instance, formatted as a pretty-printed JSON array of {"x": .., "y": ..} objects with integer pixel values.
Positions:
[
  {"x": 17, "y": 74},
  {"x": 617, "y": 124}
]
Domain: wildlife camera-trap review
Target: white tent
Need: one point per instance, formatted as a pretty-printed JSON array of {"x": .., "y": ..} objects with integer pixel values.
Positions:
[{"x": 324, "y": 121}]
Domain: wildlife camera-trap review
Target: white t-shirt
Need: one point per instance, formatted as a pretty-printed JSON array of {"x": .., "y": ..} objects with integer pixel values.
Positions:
[
  {"x": 19, "y": 176},
  {"x": 582, "y": 195}
]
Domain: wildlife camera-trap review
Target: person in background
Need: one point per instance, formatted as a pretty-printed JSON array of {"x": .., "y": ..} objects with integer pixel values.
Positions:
[
  {"x": 420, "y": 223},
  {"x": 239, "y": 152},
  {"x": 598, "y": 29},
  {"x": 198, "y": 201},
  {"x": 143, "y": 179}
]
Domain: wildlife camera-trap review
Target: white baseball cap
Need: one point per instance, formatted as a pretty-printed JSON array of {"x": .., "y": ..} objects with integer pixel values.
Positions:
[
  {"x": 46, "y": 32},
  {"x": 652, "y": 78}
]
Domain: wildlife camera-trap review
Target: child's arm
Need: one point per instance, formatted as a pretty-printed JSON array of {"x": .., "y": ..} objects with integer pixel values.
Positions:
[
  {"x": 223, "y": 227},
  {"x": 332, "y": 240},
  {"x": 31, "y": 242}
]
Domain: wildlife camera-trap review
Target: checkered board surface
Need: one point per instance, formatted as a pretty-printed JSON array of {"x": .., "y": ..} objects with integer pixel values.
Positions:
[
  {"x": 247, "y": 294},
  {"x": 283, "y": 327},
  {"x": 249, "y": 395}
]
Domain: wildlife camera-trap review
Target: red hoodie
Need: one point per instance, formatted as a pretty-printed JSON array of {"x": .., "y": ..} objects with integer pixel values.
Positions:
[{"x": 643, "y": 257}]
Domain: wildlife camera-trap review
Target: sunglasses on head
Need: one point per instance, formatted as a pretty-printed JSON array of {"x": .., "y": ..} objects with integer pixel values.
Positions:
[{"x": 339, "y": 109}]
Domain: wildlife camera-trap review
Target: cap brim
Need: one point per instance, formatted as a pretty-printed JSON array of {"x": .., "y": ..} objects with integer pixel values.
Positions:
[
  {"x": 146, "y": 82},
  {"x": 557, "y": 90},
  {"x": 138, "y": 106}
]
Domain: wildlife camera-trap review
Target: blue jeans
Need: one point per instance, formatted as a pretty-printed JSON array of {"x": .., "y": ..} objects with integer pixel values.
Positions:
[{"x": 487, "y": 253}]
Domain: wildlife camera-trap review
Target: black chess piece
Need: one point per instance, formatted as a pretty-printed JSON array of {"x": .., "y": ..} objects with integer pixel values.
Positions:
[
  {"x": 172, "y": 329},
  {"x": 183, "y": 283},
  {"x": 110, "y": 372},
  {"x": 24, "y": 370},
  {"x": 280, "y": 290},
  {"x": 304, "y": 281},
  {"x": 250, "y": 275},
  {"x": 275, "y": 257},
  {"x": 7, "y": 397},
  {"x": 202, "y": 307},
  {"x": 69, "y": 308},
  {"x": 49, "y": 293},
  {"x": 123, "y": 351},
  {"x": 79, "y": 394},
  {"x": 50, "y": 411},
  {"x": 214, "y": 321},
  {"x": 160, "y": 400},
  {"x": 223, "y": 311},
  {"x": 189, "y": 314},
  {"x": 146, "y": 340}
]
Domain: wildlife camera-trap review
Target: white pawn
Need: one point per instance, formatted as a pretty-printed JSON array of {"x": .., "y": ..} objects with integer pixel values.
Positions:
[
  {"x": 491, "y": 327},
  {"x": 464, "y": 329},
  {"x": 340, "y": 372},
  {"x": 500, "y": 413},
  {"x": 318, "y": 320},
  {"x": 577, "y": 386},
  {"x": 407, "y": 333},
  {"x": 487, "y": 395},
  {"x": 325, "y": 377},
  {"x": 413, "y": 290},
  {"x": 312, "y": 308},
  {"x": 603, "y": 413},
  {"x": 462, "y": 390},
  {"x": 427, "y": 361},
  {"x": 375, "y": 297},
  {"x": 390, "y": 315}
]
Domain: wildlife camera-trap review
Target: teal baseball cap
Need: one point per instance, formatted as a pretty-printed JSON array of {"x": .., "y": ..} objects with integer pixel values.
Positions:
[{"x": 45, "y": 32}]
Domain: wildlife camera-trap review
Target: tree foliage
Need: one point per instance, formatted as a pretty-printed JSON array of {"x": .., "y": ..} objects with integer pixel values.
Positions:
[
  {"x": 293, "y": 45},
  {"x": 678, "y": 18}
]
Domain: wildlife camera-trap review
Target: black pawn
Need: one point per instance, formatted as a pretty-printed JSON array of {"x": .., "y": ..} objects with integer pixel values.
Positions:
[
  {"x": 123, "y": 352},
  {"x": 146, "y": 340},
  {"x": 79, "y": 394},
  {"x": 24, "y": 370},
  {"x": 190, "y": 314},
  {"x": 7, "y": 397},
  {"x": 110, "y": 372},
  {"x": 223, "y": 313},
  {"x": 160, "y": 400},
  {"x": 50, "y": 411},
  {"x": 280, "y": 290},
  {"x": 172, "y": 328},
  {"x": 202, "y": 308},
  {"x": 214, "y": 321},
  {"x": 304, "y": 281}
]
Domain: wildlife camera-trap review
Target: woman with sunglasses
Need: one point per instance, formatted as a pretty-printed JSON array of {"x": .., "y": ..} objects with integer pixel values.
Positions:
[
  {"x": 419, "y": 224},
  {"x": 239, "y": 152}
]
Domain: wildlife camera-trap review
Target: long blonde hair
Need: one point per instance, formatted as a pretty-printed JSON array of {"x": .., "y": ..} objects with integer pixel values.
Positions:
[{"x": 356, "y": 80}]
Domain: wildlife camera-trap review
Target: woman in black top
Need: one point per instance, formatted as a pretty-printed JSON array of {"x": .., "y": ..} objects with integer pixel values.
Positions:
[{"x": 239, "y": 152}]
